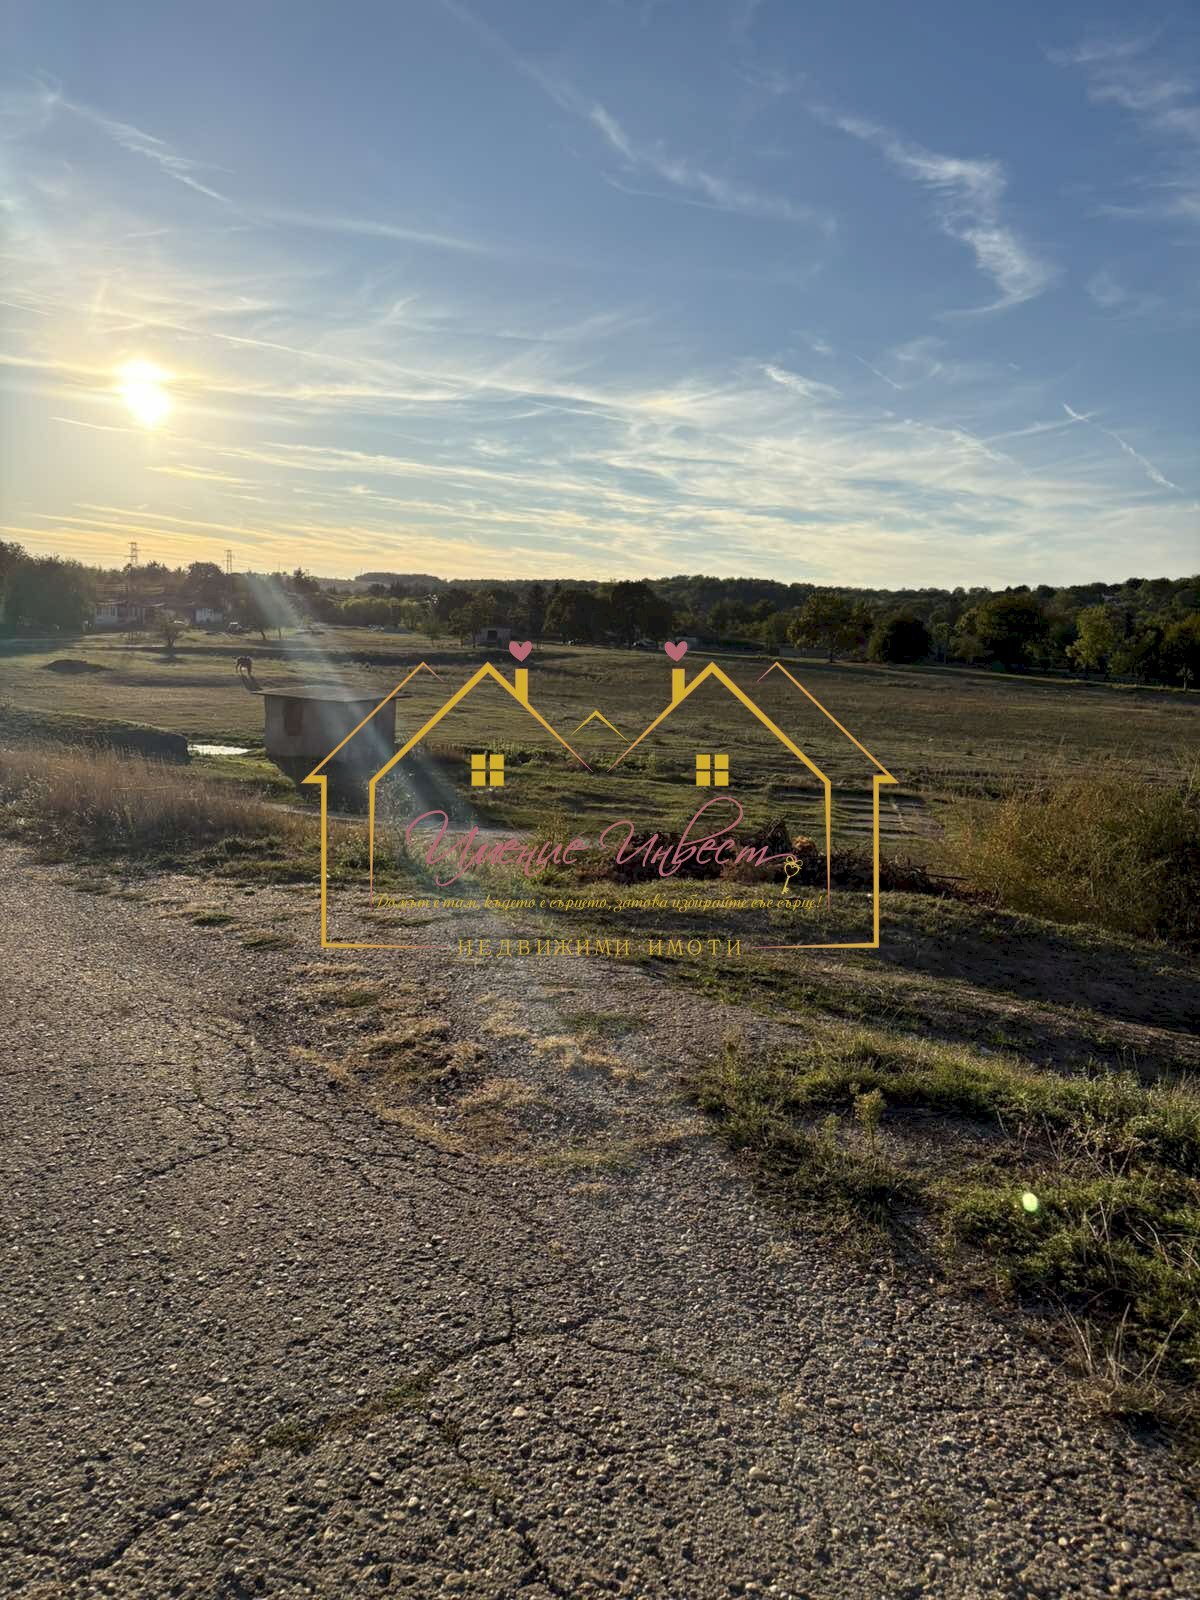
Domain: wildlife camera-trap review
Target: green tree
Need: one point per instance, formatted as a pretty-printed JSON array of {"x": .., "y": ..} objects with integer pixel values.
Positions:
[
  {"x": 1140, "y": 653},
  {"x": 1097, "y": 636},
  {"x": 637, "y": 612},
  {"x": 1008, "y": 626},
  {"x": 11, "y": 557},
  {"x": 258, "y": 605},
  {"x": 535, "y": 610},
  {"x": 901, "y": 637},
  {"x": 830, "y": 622},
  {"x": 430, "y": 622},
  {"x": 776, "y": 629},
  {"x": 1181, "y": 650},
  {"x": 49, "y": 593},
  {"x": 939, "y": 638},
  {"x": 729, "y": 615},
  {"x": 469, "y": 618},
  {"x": 169, "y": 628},
  {"x": 205, "y": 582},
  {"x": 578, "y": 614}
]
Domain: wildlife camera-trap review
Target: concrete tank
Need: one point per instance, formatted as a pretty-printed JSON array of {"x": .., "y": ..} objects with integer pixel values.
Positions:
[{"x": 301, "y": 729}]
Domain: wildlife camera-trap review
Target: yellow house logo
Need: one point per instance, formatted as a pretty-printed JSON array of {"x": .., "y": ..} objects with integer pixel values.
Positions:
[{"x": 711, "y": 771}]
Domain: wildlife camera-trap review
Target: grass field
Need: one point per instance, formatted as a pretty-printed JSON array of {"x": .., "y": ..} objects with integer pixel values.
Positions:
[
  {"x": 979, "y": 1061},
  {"x": 941, "y": 732}
]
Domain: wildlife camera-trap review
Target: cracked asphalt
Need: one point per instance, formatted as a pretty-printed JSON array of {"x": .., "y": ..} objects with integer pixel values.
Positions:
[{"x": 257, "y": 1340}]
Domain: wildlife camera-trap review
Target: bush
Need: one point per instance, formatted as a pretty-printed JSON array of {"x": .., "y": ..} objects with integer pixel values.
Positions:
[{"x": 1118, "y": 852}]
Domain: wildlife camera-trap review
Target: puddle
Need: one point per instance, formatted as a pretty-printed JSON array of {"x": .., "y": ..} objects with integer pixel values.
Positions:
[{"x": 218, "y": 750}]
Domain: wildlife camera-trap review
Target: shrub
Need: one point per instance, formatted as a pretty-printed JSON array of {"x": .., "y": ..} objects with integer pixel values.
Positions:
[{"x": 1118, "y": 852}]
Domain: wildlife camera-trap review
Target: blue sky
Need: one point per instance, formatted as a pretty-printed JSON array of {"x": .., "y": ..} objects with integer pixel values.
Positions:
[{"x": 852, "y": 293}]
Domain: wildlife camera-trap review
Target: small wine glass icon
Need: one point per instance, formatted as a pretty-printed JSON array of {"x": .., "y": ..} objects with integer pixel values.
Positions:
[{"x": 790, "y": 868}]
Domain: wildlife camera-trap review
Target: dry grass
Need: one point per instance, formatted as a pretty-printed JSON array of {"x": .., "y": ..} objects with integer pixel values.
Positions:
[
  {"x": 73, "y": 801},
  {"x": 499, "y": 1094},
  {"x": 349, "y": 996},
  {"x": 1117, "y": 852}
]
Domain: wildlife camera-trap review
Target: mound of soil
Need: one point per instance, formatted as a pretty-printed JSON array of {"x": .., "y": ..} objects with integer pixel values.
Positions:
[{"x": 74, "y": 666}]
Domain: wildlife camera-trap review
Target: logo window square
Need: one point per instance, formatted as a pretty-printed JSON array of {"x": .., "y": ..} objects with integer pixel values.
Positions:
[
  {"x": 712, "y": 771},
  {"x": 487, "y": 771}
]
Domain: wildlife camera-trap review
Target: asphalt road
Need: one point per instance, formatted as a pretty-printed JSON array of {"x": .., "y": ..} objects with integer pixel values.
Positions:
[{"x": 256, "y": 1341}]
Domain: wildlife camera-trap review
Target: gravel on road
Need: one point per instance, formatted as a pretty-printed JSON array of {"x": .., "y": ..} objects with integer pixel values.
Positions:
[{"x": 267, "y": 1332}]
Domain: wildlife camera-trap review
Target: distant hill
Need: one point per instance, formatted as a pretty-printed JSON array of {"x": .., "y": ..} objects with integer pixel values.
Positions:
[{"x": 423, "y": 580}]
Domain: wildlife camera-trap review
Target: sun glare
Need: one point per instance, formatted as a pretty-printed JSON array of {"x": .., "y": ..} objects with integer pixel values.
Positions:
[{"x": 140, "y": 385}]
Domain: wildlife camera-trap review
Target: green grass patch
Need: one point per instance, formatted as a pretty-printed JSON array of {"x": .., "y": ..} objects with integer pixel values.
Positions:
[
  {"x": 351, "y": 996},
  {"x": 300, "y": 1437},
  {"x": 1080, "y": 1192}
]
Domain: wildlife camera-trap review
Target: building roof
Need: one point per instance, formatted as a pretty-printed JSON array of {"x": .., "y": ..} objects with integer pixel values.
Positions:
[
  {"x": 327, "y": 696},
  {"x": 314, "y": 775}
]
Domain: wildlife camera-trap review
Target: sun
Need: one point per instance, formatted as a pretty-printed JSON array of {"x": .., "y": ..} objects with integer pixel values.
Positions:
[{"x": 140, "y": 385}]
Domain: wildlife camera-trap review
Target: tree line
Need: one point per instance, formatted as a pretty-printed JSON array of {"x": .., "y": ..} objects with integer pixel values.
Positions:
[{"x": 1145, "y": 629}]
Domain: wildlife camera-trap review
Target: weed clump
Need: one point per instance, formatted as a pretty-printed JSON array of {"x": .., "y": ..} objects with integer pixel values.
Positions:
[{"x": 1120, "y": 853}]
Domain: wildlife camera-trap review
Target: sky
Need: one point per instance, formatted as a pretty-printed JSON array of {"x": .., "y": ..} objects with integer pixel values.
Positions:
[{"x": 846, "y": 292}]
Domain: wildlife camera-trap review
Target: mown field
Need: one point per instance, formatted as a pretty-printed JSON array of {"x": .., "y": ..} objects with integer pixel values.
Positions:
[{"x": 942, "y": 732}]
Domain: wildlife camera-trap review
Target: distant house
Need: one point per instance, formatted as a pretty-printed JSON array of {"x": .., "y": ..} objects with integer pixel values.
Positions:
[
  {"x": 493, "y": 638},
  {"x": 121, "y": 611},
  {"x": 113, "y": 612}
]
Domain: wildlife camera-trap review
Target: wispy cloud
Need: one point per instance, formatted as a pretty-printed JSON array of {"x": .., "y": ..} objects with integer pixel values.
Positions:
[
  {"x": 691, "y": 180},
  {"x": 970, "y": 195},
  {"x": 882, "y": 376},
  {"x": 1147, "y": 467},
  {"x": 139, "y": 143},
  {"x": 348, "y": 407},
  {"x": 367, "y": 228},
  {"x": 1107, "y": 292},
  {"x": 700, "y": 185},
  {"x": 1165, "y": 105},
  {"x": 798, "y": 385}
]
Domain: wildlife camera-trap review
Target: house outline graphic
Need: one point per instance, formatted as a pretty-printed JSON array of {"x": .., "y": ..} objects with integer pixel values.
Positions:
[
  {"x": 519, "y": 690},
  {"x": 879, "y": 778},
  {"x": 681, "y": 689}
]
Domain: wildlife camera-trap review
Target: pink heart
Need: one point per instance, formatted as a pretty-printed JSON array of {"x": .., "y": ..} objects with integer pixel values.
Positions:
[
  {"x": 520, "y": 650},
  {"x": 676, "y": 651}
]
